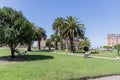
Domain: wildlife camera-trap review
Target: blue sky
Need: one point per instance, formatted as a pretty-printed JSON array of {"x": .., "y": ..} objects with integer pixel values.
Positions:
[{"x": 99, "y": 16}]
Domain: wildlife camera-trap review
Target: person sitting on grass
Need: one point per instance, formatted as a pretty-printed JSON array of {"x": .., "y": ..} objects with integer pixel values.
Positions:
[
  {"x": 87, "y": 52},
  {"x": 19, "y": 53}
]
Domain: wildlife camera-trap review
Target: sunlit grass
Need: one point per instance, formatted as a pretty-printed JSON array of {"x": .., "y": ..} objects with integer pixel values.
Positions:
[
  {"x": 49, "y": 66},
  {"x": 112, "y": 54}
]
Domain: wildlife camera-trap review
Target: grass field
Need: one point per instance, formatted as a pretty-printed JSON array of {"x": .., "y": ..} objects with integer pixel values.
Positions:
[
  {"x": 106, "y": 54},
  {"x": 49, "y": 66}
]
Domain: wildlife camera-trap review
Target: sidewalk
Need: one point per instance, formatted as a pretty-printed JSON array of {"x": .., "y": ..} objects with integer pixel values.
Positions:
[
  {"x": 107, "y": 78},
  {"x": 89, "y": 56}
]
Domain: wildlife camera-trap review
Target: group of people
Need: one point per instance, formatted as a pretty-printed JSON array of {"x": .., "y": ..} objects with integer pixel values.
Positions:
[
  {"x": 20, "y": 53},
  {"x": 87, "y": 54}
]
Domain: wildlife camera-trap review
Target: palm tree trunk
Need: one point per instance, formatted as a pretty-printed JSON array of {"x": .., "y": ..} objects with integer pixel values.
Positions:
[
  {"x": 71, "y": 43},
  {"x": 61, "y": 43},
  {"x": 39, "y": 45},
  {"x": 56, "y": 45}
]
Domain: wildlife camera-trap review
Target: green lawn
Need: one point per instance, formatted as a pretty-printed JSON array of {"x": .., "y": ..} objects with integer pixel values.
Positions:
[
  {"x": 109, "y": 54},
  {"x": 49, "y": 66},
  {"x": 106, "y": 54}
]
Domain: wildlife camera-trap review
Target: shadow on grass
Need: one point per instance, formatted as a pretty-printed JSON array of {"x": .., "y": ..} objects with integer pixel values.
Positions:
[
  {"x": 42, "y": 51},
  {"x": 79, "y": 52},
  {"x": 26, "y": 58}
]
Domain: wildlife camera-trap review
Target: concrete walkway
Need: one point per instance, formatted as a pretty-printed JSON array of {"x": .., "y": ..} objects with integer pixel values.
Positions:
[
  {"x": 89, "y": 56},
  {"x": 107, "y": 78}
]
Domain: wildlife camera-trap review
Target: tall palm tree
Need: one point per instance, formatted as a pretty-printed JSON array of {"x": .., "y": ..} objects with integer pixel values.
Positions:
[
  {"x": 39, "y": 35},
  {"x": 73, "y": 29},
  {"x": 58, "y": 25}
]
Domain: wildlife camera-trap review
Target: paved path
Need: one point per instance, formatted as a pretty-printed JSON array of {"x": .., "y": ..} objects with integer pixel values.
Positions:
[
  {"x": 107, "y": 78},
  {"x": 83, "y": 55}
]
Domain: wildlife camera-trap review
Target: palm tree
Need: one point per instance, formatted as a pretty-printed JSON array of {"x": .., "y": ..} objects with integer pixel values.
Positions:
[
  {"x": 55, "y": 38},
  {"x": 49, "y": 44},
  {"x": 73, "y": 29},
  {"x": 39, "y": 35},
  {"x": 84, "y": 42},
  {"x": 58, "y": 25}
]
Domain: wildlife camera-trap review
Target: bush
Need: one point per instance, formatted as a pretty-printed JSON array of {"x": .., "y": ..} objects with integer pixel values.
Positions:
[{"x": 86, "y": 48}]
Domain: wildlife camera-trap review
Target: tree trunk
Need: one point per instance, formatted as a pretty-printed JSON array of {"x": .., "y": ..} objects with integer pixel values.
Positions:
[
  {"x": 56, "y": 45},
  {"x": 39, "y": 47},
  {"x": 0, "y": 45},
  {"x": 71, "y": 43},
  {"x": 61, "y": 43},
  {"x": 61, "y": 46},
  {"x": 49, "y": 48},
  {"x": 118, "y": 53},
  {"x": 29, "y": 47},
  {"x": 12, "y": 51}
]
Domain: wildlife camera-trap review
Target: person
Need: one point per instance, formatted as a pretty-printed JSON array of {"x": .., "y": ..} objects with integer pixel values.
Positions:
[
  {"x": 66, "y": 50},
  {"x": 19, "y": 53},
  {"x": 16, "y": 50},
  {"x": 86, "y": 55}
]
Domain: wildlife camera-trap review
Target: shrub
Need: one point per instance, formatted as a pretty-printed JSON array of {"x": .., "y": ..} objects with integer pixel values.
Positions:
[{"x": 86, "y": 48}]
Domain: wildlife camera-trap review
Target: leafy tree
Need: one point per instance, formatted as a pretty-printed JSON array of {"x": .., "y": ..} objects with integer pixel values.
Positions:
[
  {"x": 39, "y": 35},
  {"x": 73, "y": 29},
  {"x": 30, "y": 34},
  {"x": 107, "y": 47},
  {"x": 14, "y": 28}
]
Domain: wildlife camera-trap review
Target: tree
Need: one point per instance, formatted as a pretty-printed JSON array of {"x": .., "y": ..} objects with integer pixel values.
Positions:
[
  {"x": 14, "y": 28},
  {"x": 84, "y": 42},
  {"x": 58, "y": 25},
  {"x": 49, "y": 44},
  {"x": 73, "y": 29},
  {"x": 107, "y": 47},
  {"x": 31, "y": 35},
  {"x": 40, "y": 34},
  {"x": 86, "y": 48},
  {"x": 56, "y": 39},
  {"x": 117, "y": 47}
]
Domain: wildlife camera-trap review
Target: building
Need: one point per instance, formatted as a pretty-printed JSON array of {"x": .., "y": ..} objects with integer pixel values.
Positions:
[
  {"x": 113, "y": 39},
  {"x": 66, "y": 42},
  {"x": 43, "y": 44}
]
